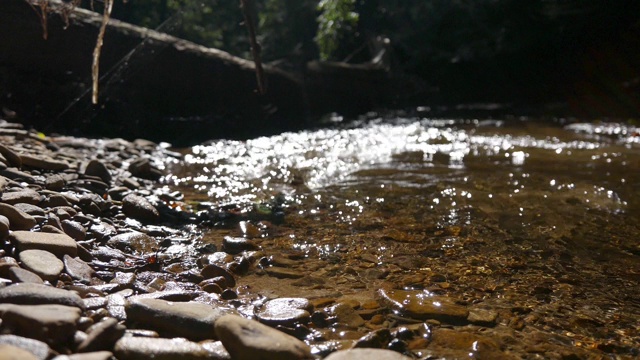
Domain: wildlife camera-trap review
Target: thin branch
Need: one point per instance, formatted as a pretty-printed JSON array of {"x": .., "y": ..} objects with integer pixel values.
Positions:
[
  {"x": 95, "y": 68},
  {"x": 256, "y": 49}
]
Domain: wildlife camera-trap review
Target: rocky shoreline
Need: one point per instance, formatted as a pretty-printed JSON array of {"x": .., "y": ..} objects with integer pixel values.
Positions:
[{"x": 99, "y": 261}]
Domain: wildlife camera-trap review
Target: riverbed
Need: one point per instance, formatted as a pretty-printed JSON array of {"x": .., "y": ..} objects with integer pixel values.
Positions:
[{"x": 486, "y": 238}]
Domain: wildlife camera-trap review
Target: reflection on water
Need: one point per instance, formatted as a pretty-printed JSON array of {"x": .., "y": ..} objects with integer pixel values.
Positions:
[{"x": 527, "y": 219}]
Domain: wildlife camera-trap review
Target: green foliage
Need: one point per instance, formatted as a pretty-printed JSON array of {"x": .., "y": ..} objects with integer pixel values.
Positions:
[{"x": 336, "y": 21}]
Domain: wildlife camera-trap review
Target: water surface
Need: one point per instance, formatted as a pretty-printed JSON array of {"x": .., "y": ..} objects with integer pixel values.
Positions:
[{"x": 534, "y": 221}]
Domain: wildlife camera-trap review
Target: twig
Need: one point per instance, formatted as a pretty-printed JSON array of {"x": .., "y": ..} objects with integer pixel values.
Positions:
[
  {"x": 255, "y": 46},
  {"x": 95, "y": 68}
]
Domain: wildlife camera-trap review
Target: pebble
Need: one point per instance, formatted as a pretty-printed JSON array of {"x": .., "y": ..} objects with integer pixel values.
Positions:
[
  {"x": 43, "y": 162},
  {"x": 371, "y": 354},
  {"x": 26, "y": 196},
  {"x": 20, "y": 275},
  {"x": 78, "y": 269},
  {"x": 194, "y": 321},
  {"x": 58, "y": 244},
  {"x": 139, "y": 208},
  {"x": 54, "y": 324},
  {"x": 74, "y": 229},
  {"x": 212, "y": 270},
  {"x": 483, "y": 317},
  {"x": 135, "y": 348},
  {"x": 283, "y": 273},
  {"x": 99, "y": 169},
  {"x": 12, "y": 157},
  {"x": 236, "y": 245},
  {"x": 36, "y": 294},
  {"x": 39, "y": 349},
  {"x": 249, "y": 339},
  {"x": 345, "y": 315},
  {"x": 18, "y": 219},
  {"x": 102, "y": 335},
  {"x": 6, "y": 263},
  {"x": 285, "y": 311},
  {"x": 42, "y": 263},
  {"x": 420, "y": 305}
]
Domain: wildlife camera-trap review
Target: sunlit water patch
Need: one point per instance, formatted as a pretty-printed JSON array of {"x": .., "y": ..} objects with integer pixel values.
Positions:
[{"x": 534, "y": 223}]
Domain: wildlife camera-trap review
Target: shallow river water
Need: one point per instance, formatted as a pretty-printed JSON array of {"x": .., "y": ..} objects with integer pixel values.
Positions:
[{"x": 487, "y": 239}]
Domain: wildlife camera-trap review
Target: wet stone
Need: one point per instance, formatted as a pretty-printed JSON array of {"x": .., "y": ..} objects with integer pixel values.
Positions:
[
  {"x": 191, "y": 320},
  {"x": 20, "y": 275},
  {"x": 358, "y": 354},
  {"x": 53, "y": 324},
  {"x": 36, "y": 294},
  {"x": 236, "y": 245},
  {"x": 139, "y": 208},
  {"x": 249, "y": 339},
  {"x": 142, "y": 168},
  {"x": 78, "y": 269},
  {"x": 285, "y": 311},
  {"x": 43, "y": 263},
  {"x": 212, "y": 271},
  {"x": 58, "y": 244},
  {"x": 483, "y": 317},
  {"x": 10, "y": 352},
  {"x": 39, "y": 349},
  {"x": 423, "y": 306},
  {"x": 27, "y": 196},
  {"x": 134, "y": 241},
  {"x": 345, "y": 315},
  {"x": 102, "y": 336},
  {"x": 134, "y": 348},
  {"x": 19, "y": 220},
  {"x": 447, "y": 343},
  {"x": 284, "y": 273}
]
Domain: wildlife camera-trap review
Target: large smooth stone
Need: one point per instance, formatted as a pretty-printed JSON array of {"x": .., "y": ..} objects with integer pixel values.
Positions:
[
  {"x": 42, "y": 263},
  {"x": 38, "y": 348},
  {"x": 366, "y": 354},
  {"x": 18, "y": 219},
  {"x": 53, "y": 324},
  {"x": 58, "y": 244},
  {"x": 249, "y": 339},
  {"x": 20, "y": 275},
  {"x": 285, "y": 311},
  {"x": 5, "y": 225},
  {"x": 135, "y": 348},
  {"x": 191, "y": 320},
  {"x": 36, "y": 294},
  {"x": 10, "y": 352},
  {"x": 139, "y": 208},
  {"x": 421, "y": 305}
]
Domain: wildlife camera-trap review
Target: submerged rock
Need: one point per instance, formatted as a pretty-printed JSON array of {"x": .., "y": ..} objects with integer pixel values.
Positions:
[{"x": 423, "y": 306}]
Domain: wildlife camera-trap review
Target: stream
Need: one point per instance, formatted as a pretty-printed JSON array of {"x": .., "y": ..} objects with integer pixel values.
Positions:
[{"x": 483, "y": 239}]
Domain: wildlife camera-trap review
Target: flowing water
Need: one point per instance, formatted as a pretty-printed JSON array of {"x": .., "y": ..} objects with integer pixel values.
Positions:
[{"x": 523, "y": 234}]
